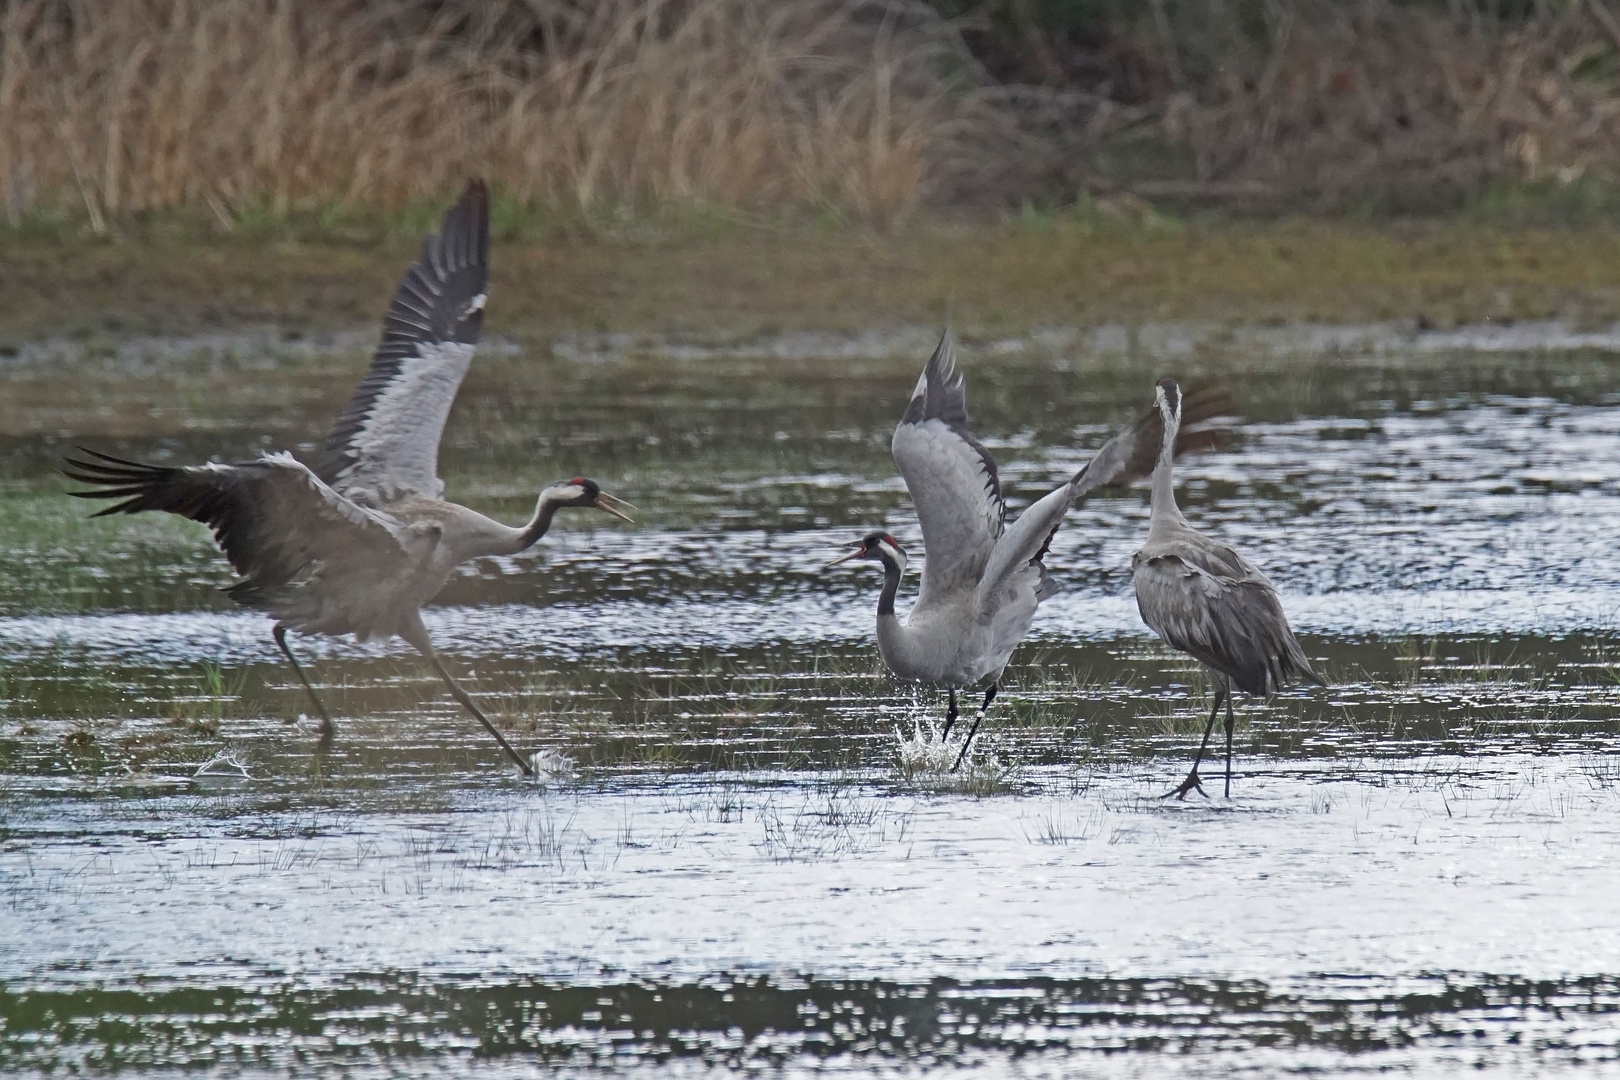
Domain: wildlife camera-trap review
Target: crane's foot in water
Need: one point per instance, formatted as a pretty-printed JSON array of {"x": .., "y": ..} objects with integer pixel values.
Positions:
[{"x": 1188, "y": 786}]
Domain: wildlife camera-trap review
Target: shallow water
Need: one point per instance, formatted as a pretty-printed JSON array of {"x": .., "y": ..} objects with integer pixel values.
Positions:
[{"x": 733, "y": 864}]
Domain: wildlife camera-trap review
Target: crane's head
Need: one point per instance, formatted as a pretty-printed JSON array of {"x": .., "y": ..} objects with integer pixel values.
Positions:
[
  {"x": 581, "y": 491},
  {"x": 1168, "y": 396},
  {"x": 880, "y": 546}
]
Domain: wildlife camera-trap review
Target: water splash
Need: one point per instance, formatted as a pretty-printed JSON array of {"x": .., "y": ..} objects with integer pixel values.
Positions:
[
  {"x": 928, "y": 757},
  {"x": 227, "y": 764},
  {"x": 552, "y": 766}
]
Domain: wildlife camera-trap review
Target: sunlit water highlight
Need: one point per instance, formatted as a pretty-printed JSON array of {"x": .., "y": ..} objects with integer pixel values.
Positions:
[{"x": 744, "y": 850}]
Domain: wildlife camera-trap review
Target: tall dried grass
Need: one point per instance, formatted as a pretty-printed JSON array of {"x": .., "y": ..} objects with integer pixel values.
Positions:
[
  {"x": 872, "y": 106},
  {"x": 1374, "y": 100},
  {"x": 869, "y": 105},
  {"x": 1326, "y": 102}
]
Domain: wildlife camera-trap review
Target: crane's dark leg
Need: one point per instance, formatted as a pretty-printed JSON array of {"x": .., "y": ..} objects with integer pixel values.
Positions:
[
  {"x": 326, "y": 728},
  {"x": 417, "y": 636},
  {"x": 1229, "y": 721},
  {"x": 950, "y": 716},
  {"x": 1193, "y": 783},
  {"x": 989, "y": 696}
]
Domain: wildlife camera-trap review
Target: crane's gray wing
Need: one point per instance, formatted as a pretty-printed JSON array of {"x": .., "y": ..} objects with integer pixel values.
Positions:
[
  {"x": 951, "y": 477},
  {"x": 1131, "y": 454},
  {"x": 1234, "y": 624},
  {"x": 1022, "y": 546},
  {"x": 1015, "y": 579},
  {"x": 386, "y": 442},
  {"x": 272, "y": 516}
]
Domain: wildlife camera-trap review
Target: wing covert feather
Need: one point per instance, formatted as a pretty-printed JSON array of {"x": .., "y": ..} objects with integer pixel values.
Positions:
[{"x": 1024, "y": 543}]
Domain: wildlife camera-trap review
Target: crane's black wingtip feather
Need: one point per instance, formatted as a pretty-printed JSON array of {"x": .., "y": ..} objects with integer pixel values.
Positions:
[
  {"x": 475, "y": 198},
  {"x": 464, "y": 231},
  {"x": 110, "y": 459},
  {"x": 107, "y": 469}
]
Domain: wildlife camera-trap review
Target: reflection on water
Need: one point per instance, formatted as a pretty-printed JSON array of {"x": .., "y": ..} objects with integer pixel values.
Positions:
[
  {"x": 393, "y": 1020},
  {"x": 1412, "y": 874}
]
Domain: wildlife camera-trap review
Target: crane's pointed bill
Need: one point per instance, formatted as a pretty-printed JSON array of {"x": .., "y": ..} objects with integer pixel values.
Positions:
[
  {"x": 610, "y": 504},
  {"x": 856, "y": 554}
]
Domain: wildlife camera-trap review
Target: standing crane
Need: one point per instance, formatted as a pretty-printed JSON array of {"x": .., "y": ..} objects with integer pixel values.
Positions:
[
  {"x": 982, "y": 578},
  {"x": 1208, "y": 601},
  {"x": 358, "y": 542}
]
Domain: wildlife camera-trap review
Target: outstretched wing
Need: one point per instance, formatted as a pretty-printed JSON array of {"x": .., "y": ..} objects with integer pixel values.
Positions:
[
  {"x": 951, "y": 476},
  {"x": 1232, "y": 622},
  {"x": 273, "y": 518},
  {"x": 387, "y": 440},
  {"x": 1023, "y": 546},
  {"x": 1130, "y": 455}
]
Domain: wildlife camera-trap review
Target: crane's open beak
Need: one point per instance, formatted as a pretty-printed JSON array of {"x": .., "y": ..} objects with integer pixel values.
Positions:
[
  {"x": 857, "y": 553},
  {"x": 607, "y": 502}
]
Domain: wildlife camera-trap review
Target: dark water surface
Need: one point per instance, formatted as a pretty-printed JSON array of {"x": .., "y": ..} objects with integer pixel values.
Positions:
[{"x": 740, "y": 857}]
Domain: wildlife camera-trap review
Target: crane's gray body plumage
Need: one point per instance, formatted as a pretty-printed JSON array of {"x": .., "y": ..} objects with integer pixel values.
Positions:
[
  {"x": 963, "y": 627},
  {"x": 361, "y": 541},
  {"x": 1205, "y": 599}
]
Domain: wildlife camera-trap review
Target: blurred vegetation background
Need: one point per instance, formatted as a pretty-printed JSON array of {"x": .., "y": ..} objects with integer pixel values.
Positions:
[{"x": 239, "y": 110}]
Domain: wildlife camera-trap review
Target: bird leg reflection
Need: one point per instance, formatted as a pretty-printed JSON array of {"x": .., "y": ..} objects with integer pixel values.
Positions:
[
  {"x": 1193, "y": 783},
  {"x": 326, "y": 727},
  {"x": 989, "y": 696},
  {"x": 950, "y": 715}
]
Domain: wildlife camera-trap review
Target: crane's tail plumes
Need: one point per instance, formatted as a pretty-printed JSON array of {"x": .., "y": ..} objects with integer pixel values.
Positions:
[{"x": 141, "y": 486}]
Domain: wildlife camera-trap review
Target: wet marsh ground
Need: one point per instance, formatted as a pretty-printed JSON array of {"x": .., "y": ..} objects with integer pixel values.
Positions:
[
  {"x": 717, "y": 275},
  {"x": 730, "y": 860}
]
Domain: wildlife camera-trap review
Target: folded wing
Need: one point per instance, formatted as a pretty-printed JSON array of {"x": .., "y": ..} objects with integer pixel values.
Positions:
[{"x": 1219, "y": 608}]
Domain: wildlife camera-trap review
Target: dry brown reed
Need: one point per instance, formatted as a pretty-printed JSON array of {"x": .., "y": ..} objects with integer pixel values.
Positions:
[
  {"x": 870, "y": 106},
  {"x": 1374, "y": 100},
  {"x": 867, "y": 105}
]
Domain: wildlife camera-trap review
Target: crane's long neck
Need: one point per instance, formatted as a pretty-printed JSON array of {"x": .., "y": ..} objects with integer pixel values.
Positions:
[
  {"x": 892, "y": 572},
  {"x": 1165, "y": 511},
  {"x": 544, "y": 510},
  {"x": 895, "y": 640}
]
